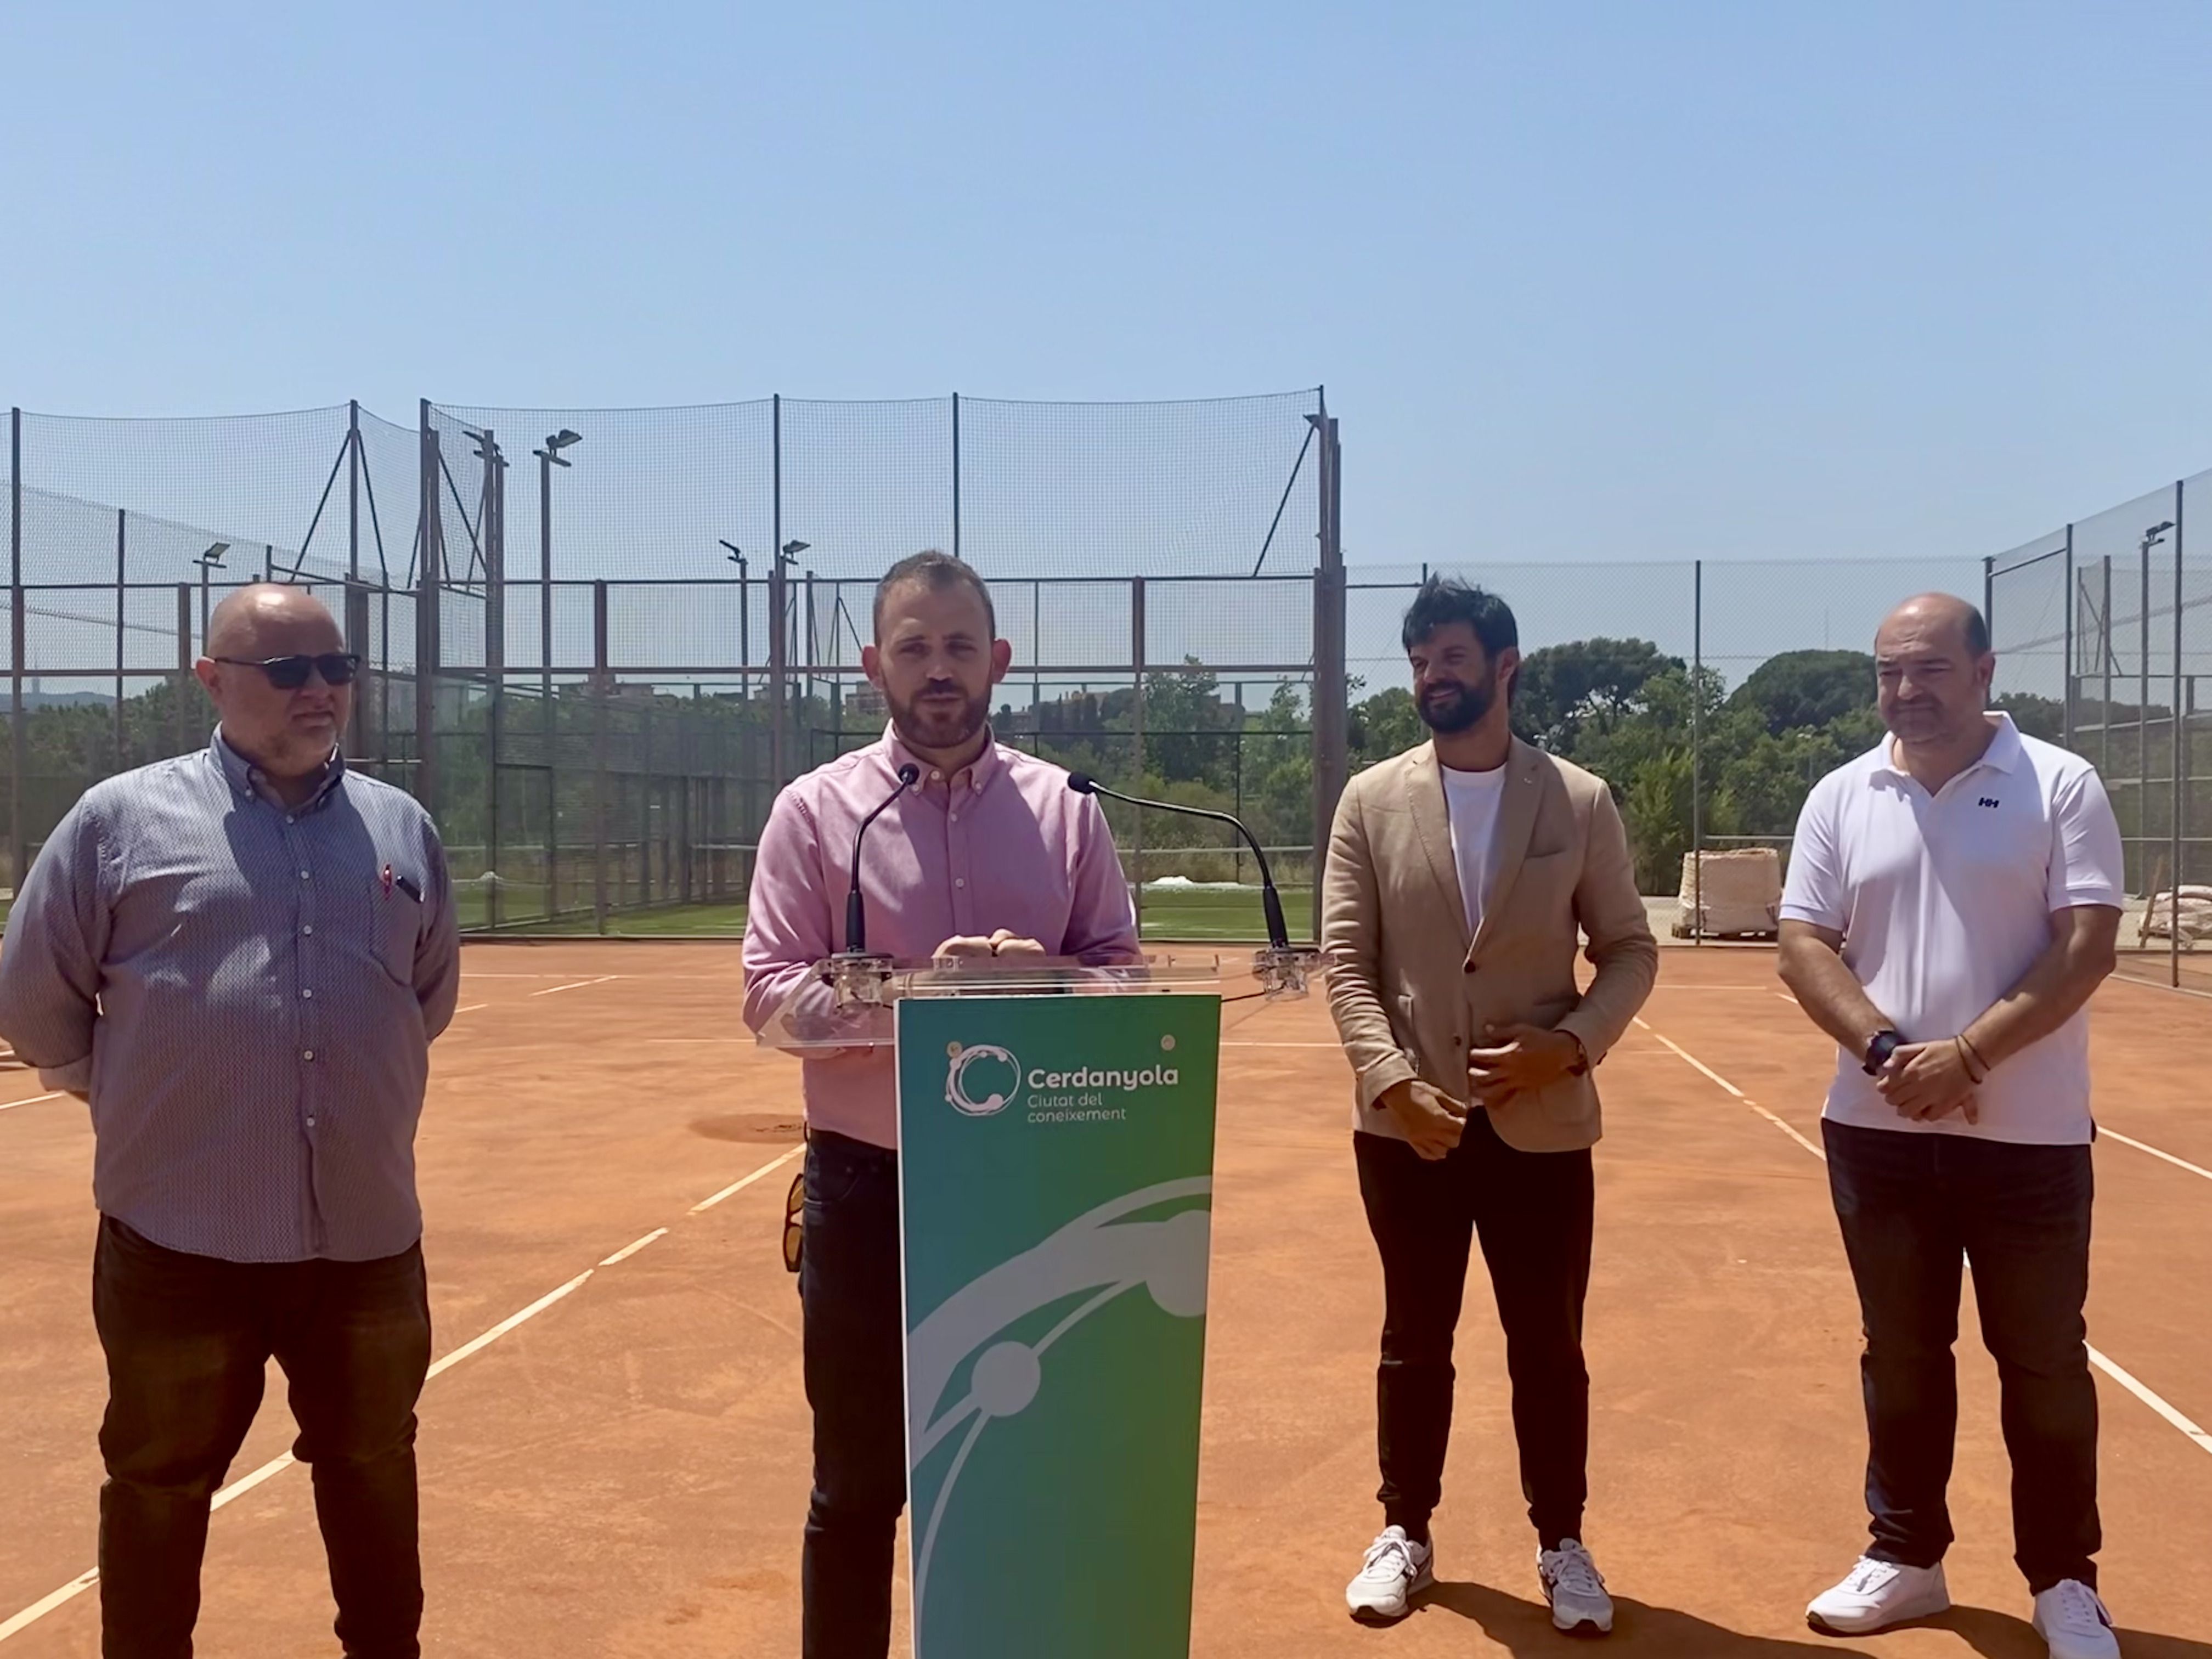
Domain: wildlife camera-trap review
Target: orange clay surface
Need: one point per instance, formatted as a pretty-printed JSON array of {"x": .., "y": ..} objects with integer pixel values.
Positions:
[{"x": 625, "y": 1472}]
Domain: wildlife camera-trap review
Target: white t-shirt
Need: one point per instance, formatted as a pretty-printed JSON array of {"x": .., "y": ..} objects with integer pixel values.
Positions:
[
  {"x": 1944, "y": 902},
  {"x": 1472, "y": 799}
]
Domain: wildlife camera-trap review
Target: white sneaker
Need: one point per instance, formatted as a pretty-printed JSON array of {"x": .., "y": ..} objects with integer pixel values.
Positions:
[
  {"x": 2074, "y": 1622},
  {"x": 1576, "y": 1589},
  {"x": 1875, "y": 1594},
  {"x": 1396, "y": 1570}
]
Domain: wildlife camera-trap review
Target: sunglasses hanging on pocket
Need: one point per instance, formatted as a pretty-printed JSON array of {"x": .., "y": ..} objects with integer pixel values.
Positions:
[{"x": 794, "y": 1221}]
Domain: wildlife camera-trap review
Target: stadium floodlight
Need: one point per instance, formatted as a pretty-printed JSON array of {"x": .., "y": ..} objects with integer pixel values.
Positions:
[
  {"x": 556, "y": 443},
  {"x": 737, "y": 555},
  {"x": 793, "y": 550},
  {"x": 2155, "y": 535}
]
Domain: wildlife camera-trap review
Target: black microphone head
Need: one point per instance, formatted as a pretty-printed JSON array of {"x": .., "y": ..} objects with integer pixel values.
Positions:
[
  {"x": 1082, "y": 783},
  {"x": 909, "y": 773}
]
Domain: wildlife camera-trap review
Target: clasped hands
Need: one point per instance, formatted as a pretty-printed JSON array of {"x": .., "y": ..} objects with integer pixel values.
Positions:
[
  {"x": 1925, "y": 1081},
  {"x": 1518, "y": 1059},
  {"x": 1000, "y": 943}
]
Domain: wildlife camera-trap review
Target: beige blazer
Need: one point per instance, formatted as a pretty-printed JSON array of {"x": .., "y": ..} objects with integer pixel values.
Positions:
[{"x": 1411, "y": 991}]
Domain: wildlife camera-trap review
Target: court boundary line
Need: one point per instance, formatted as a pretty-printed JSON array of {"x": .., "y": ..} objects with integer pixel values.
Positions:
[
  {"x": 56, "y": 1599},
  {"x": 2174, "y": 1417}
]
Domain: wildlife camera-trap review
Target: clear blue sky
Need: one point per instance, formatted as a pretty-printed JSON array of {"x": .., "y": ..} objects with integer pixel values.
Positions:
[{"x": 1583, "y": 280}]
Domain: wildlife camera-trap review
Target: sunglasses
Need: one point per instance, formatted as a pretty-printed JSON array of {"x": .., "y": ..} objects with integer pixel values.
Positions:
[
  {"x": 290, "y": 673},
  {"x": 794, "y": 1222}
]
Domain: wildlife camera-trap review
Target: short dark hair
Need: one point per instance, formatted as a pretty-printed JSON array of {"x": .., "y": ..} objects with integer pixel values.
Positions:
[
  {"x": 1443, "y": 600},
  {"x": 936, "y": 571}
]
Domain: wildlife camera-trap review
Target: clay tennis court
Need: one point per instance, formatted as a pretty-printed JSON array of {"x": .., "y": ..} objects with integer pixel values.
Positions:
[{"x": 623, "y": 1470}]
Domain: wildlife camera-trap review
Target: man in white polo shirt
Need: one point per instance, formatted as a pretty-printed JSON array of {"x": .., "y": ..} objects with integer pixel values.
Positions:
[{"x": 1953, "y": 901}]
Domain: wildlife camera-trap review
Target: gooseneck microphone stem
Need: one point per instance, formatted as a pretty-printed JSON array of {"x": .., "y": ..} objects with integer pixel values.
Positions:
[
  {"x": 1271, "y": 901},
  {"x": 856, "y": 914}
]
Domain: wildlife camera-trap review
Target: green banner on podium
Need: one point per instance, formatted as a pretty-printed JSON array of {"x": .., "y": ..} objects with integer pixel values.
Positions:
[{"x": 1056, "y": 1167}]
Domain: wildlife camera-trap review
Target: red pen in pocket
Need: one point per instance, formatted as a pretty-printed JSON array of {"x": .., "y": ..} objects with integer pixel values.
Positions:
[{"x": 387, "y": 881}]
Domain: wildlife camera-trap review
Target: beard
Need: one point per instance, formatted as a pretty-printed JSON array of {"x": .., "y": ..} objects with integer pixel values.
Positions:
[
  {"x": 925, "y": 725},
  {"x": 1458, "y": 708}
]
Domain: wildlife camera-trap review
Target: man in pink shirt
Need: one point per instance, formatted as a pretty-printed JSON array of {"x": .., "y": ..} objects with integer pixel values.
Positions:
[{"x": 990, "y": 853}]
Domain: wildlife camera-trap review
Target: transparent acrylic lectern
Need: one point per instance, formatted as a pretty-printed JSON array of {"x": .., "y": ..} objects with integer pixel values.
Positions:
[{"x": 850, "y": 1000}]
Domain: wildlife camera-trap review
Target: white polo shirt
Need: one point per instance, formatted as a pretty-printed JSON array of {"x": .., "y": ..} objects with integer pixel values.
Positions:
[{"x": 1944, "y": 903}]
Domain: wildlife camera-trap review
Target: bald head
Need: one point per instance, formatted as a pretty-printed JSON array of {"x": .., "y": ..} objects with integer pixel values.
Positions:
[
  {"x": 269, "y": 619},
  {"x": 288, "y": 731},
  {"x": 1939, "y": 616},
  {"x": 1932, "y": 672}
]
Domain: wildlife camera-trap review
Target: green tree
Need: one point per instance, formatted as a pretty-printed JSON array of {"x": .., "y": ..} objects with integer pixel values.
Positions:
[
  {"x": 1801, "y": 688},
  {"x": 1590, "y": 684}
]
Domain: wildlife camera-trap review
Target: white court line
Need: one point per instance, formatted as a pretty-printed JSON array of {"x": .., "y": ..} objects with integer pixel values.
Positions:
[
  {"x": 2202, "y": 1438},
  {"x": 507, "y": 1325},
  {"x": 1253, "y": 1042},
  {"x": 2178, "y": 1162},
  {"x": 578, "y": 986},
  {"x": 10, "y": 1105},
  {"x": 630, "y": 1250},
  {"x": 41, "y": 1608},
  {"x": 84, "y": 1581},
  {"x": 277, "y": 1465},
  {"x": 246, "y": 1484},
  {"x": 740, "y": 1186},
  {"x": 2152, "y": 1401},
  {"x": 472, "y": 1007}
]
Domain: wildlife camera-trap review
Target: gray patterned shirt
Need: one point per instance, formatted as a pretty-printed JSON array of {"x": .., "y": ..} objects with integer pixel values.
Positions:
[{"x": 248, "y": 992}]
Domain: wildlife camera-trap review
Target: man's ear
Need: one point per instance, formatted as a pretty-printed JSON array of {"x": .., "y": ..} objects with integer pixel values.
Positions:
[
  {"x": 872, "y": 665},
  {"x": 1002, "y": 659}
]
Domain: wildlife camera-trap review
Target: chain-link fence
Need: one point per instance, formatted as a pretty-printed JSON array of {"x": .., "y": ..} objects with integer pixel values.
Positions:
[
  {"x": 2101, "y": 631},
  {"x": 620, "y": 632},
  {"x": 615, "y": 634}
]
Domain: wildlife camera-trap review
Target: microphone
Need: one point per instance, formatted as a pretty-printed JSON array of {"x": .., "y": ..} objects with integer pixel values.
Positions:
[
  {"x": 856, "y": 917},
  {"x": 1278, "y": 935}
]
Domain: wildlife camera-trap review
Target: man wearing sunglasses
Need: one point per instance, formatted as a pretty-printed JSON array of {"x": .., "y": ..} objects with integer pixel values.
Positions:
[{"x": 239, "y": 958}]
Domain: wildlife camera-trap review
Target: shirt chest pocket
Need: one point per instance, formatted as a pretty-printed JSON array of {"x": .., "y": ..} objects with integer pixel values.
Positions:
[{"x": 381, "y": 923}]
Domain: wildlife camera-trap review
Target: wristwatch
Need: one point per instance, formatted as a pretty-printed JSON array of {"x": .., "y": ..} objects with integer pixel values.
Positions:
[{"x": 1885, "y": 1043}]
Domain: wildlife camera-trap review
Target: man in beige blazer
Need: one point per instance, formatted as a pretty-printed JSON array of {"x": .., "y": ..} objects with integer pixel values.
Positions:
[{"x": 1461, "y": 877}]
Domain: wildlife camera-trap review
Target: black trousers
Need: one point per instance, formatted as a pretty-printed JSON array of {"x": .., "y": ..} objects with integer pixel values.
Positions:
[
  {"x": 855, "y": 1367},
  {"x": 1533, "y": 1211},
  {"x": 1912, "y": 1208},
  {"x": 188, "y": 1339}
]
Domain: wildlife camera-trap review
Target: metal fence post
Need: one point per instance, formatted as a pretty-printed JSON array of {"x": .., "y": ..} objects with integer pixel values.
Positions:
[
  {"x": 493, "y": 534},
  {"x": 1698, "y": 752},
  {"x": 184, "y": 667},
  {"x": 1137, "y": 732},
  {"x": 427, "y": 579},
  {"x": 600, "y": 754},
  {"x": 1989, "y": 594},
  {"x": 2180, "y": 755},
  {"x": 956, "y": 475},
  {"x": 2066, "y": 702},
  {"x": 122, "y": 626},
  {"x": 778, "y": 620},
  {"x": 356, "y": 634},
  {"x": 353, "y": 492},
  {"x": 1332, "y": 690},
  {"x": 18, "y": 736}
]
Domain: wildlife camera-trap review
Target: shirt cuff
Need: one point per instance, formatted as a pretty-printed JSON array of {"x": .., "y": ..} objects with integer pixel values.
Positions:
[{"x": 1381, "y": 1077}]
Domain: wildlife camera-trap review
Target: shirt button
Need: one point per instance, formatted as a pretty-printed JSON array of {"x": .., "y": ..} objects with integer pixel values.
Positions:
[
  {"x": 311, "y": 1123},
  {"x": 309, "y": 929},
  {"x": 956, "y": 817},
  {"x": 307, "y": 993},
  {"x": 937, "y": 777},
  {"x": 304, "y": 876},
  {"x": 307, "y": 1054},
  {"x": 959, "y": 881}
]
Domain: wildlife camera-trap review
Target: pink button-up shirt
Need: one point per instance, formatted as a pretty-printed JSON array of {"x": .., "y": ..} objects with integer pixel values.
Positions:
[{"x": 1004, "y": 843}]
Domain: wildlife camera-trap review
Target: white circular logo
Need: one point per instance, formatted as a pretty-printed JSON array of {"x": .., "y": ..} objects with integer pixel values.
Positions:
[{"x": 982, "y": 1079}]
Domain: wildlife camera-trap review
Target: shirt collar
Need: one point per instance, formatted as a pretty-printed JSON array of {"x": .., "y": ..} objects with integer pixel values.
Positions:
[
  {"x": 247, "y": 778},
  {"x": 2004, "y": 753},
  {"x": 978, "y": 772}
]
